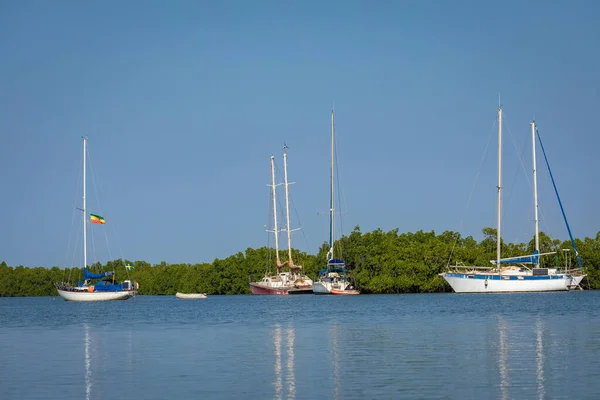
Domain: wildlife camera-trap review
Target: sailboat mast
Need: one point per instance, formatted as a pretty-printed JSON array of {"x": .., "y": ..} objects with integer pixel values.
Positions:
[
  {"x": 84, "y": 206},
  {"x": 499, "y": 224},
  {"x": 273, "y": 195},
  {"x": 332, "y": 201},
  {"x": 535, "y": 194},
  {"x": 287, "y": 206}
]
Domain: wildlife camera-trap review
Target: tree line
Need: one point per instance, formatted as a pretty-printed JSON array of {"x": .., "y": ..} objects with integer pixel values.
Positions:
[{"x": 381, "y": 262}]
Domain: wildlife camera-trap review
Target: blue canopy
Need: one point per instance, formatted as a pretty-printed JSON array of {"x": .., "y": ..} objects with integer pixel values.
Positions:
[
  {"x": 531, "y": 259},
  {"x": 335, "y": 262},
  {"x": 88, "y": 275}
]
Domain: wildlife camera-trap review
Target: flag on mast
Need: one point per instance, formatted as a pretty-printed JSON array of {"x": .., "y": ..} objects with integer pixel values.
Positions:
[{"x": 96, "y": 219}]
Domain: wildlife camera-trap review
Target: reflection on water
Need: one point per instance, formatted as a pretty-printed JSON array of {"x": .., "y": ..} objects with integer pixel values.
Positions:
[
  {"x": 290, "y": 378},
  {"x": 88, "y": 362},
  {"x": 516, "y": 339},
  {"x": 540, "y": 357},
  {"x": 503, "y": 358},
  {"x": 290, "y": 363},
  {"x": 277, "y": 345},
  {"x": 388, "y": 347},
  {"x": 336, "y": 379}
]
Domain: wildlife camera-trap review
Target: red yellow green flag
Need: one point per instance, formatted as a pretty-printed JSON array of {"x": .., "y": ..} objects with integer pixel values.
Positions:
[{"x": 96, "y": 219}]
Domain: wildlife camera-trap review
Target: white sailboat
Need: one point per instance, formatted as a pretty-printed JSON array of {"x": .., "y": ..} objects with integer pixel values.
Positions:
[
  {"x": 293, "y": 281},
  {"x": 511, "y": 278},
  {"x": 335, "y": 279},
  {"x": 107, "y": 288}
]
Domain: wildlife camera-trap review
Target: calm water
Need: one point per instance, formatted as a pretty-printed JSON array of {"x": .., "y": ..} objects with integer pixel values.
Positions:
[{"x": 445, "y": 346}]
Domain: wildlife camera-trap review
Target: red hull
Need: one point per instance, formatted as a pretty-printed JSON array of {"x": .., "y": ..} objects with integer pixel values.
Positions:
[
  {"x": 265, "y": 290},
  {"x": 344, "y": 292}
]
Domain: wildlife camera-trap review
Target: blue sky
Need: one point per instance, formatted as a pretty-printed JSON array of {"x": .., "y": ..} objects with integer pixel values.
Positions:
[{"x": 185, "y": 101}]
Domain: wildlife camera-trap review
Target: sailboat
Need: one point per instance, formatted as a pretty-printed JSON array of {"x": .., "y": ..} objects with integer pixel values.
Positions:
[
  {"x": 510, "y": 278},
  {"x": 335, "y": 279},
  {"x": 107, "y": 288},
  {"x": 293, "y": 281}
]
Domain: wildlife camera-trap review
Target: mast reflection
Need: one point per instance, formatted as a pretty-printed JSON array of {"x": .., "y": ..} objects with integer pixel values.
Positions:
[
  {"x": 88, "y": 362},
  {"x": 335, "y": 332},
  {"x": 540, "y": 357},
  {"x": 503, "y": 358},
  {"x": 290, "y": 377}
]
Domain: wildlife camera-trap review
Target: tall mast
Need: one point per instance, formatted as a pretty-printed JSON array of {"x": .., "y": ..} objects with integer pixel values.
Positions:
[
  {"x": 287, "y": 206},
  {"x": 84, "y": 206},
  {"x": 332, "y": 201},
  {"x": 499, "y": 237},
  {"x": 535, "y": 195},
  {"x": 273, "y": 195}
]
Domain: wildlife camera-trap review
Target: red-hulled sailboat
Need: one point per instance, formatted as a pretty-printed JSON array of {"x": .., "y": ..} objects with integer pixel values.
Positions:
[{"x": 292, "y": 281}]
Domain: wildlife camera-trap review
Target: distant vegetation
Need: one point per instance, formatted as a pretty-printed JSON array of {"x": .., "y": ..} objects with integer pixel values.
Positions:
[{"x": 382, "y": 262}]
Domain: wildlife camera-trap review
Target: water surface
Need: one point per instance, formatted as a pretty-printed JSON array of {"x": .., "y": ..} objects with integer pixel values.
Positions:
[{"x": 443, "y": 346}]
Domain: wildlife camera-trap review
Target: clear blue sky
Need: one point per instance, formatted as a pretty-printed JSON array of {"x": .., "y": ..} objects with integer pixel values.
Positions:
[{"x": 185, "y": 101}]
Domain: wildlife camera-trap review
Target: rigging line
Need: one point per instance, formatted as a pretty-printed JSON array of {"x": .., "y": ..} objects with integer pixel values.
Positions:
[
  {"x": 93, "y": 245},
  {"x": 98, "y": 193},
  {"x": 522, "y": 166},
  {"x": 74, "y": 208},
  {"x": 472, "y": 191},
  {"x": 74, "y": 253},
  {"x": 341, "y": 196},
  {"x": 529, "y": 182},
  {"x": 268, "y": 226},
  {"x": 559, "y": 201},
  {"x": 108, "y": 247},
  {"x": 300, "y": 222},
  {"x": 281, "y": 208}
]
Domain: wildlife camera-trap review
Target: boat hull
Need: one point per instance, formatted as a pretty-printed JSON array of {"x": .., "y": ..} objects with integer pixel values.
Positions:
[
  {"x": 259, "y": 289},
  {"x": 95, "y": 296},
  {"x": 300, "y": 291},
  {"x": 190, "y": 296},
  {"x": 468, "y": 283},
  {"x": 319, "y": 288},
  {"x": 576, "y": 281},
  {"x": 347, "y": 292}
]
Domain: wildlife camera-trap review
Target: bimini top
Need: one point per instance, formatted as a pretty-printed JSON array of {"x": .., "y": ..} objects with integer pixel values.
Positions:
[
  {"x": 335, "y": 262},
  {"x": 333, "y": 269}
]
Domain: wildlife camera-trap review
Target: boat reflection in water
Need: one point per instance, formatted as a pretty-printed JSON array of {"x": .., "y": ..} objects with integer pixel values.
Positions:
[
  {"x": 521, "y": 353},
  {"x": 88, "y": 362},
  {"x": 503, "y": 358},
  {"x": 539, "y": 327},
  {"x": 279, "y": 346},
  {"x": 335, "y": 333}
]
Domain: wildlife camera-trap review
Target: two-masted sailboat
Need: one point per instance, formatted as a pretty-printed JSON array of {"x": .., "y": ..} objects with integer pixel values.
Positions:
[
  {"x": 292, "y": 281},
  {"x": 105, "y": 289},
  {"x": 510, "y": 274},
  {"x": 335, "y": 279}
]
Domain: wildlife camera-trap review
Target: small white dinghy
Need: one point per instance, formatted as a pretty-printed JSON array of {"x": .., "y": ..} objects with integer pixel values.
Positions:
[{"x": 190, "y": 295}]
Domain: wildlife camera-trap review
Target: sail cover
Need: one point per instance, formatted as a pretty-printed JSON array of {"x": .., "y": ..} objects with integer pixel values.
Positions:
[
  {"x": 88, "y": 275},
  {"x": 531, "y": 259}
]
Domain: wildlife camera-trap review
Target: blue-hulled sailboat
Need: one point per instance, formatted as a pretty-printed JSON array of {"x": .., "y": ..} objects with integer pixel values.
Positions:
[{"x": 107, "y": 288}]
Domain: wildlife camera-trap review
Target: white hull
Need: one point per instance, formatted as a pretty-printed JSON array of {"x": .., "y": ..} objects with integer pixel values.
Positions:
[
  {"x": 576, "y": 281},
  {"x": 190, "y": 295},
  {"x": 479, "y": 284},
  {"x": 95, "y": 296},
  {"x": 320, "y": 288}
]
